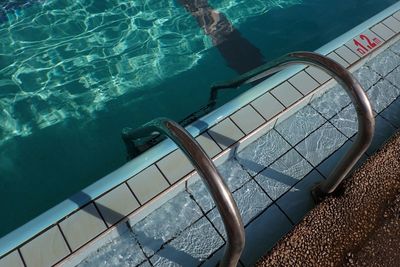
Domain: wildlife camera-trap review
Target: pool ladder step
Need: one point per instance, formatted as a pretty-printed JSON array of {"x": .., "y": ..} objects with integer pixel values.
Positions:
[{"x": 204, "y": 166}]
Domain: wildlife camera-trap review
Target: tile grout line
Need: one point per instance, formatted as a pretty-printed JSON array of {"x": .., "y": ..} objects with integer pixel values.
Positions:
[
  {"x": 217, "y": 143},
  {"x": 388, "y": 26},
  {"x": 285, "y": 107},
  {"x": 141, "y": 248},
  {"x": 211, "y": 255},
  {"x": 382, "y": 78},
  {"x": 65, "y": 239},
  {"x": 393, "y": 16},
  {"x": 305, "y": 137},
  {"x": 241, "y": 262},
  {"x": 386, "y": 108},
  {"x": 162, "y": 174},
  {"x": 181, "y": 231},
  {"x": 101, "y": 216},
  {"x": 326, "y": 158},
  {"x": 212, "y": 138},
  {"x": 272, "y": 162},
  {"x": 240, "y": 187},
  {"x": 175, "y": 237},
  {"x": 237, "y": 126},
  {"x": 313, "y": 167},
  {"x": 312, "y": 77},
  {"x": 20, "y": 255},
  {"x": 205, "y": 215},
  {"x": 350, "y": 102},
  {"x": 274, "y": 202},
  {"x": 345, "y": 60},
  {"x": 333, "y": 125},
  {"x": 265, "y": 119},
  {"x": 394, "y": 34},
  {"x": 388, "y": 121},
  {"x": 296, "y": 101},
  {"x": 319, "y": 164},
  {"x": 295, "y": 87},
  {"x": 134, "y": 195},
  {"x": 284, "y": 153}
]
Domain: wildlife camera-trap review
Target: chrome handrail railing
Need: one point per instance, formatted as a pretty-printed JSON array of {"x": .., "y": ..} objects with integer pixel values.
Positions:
[
  {"x": 366, "y": 120},
  {"x": 206, "y": 169}
]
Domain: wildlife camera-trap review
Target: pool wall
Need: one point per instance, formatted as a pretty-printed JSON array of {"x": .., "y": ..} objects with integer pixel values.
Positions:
[{"x": 140, "y": 186}]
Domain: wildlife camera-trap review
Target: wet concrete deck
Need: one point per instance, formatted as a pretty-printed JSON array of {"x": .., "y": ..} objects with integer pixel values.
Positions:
[{"x": 359, "y": 227}]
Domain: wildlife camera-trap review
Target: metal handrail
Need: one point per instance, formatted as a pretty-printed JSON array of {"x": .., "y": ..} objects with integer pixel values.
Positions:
[
  {"x": 206, "y": 169},
  {"x": 366, "y": 120}
]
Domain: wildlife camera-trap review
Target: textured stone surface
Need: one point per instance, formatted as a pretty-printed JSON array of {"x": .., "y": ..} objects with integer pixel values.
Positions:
[
  {"x": 299, "y": 125},
  {"x": 251, "y": 201},
  {"x": 166, "y": 222},
  {"x": 191, "y": 247},
  {"x": 346, "y": 121},
  {"x": 320, "y": 144},
  {"x": 297, "y": 202},
  {"x": 263, "y": 233},
  {"x": 385, "y": 62},
  {"x": 384, "y": 131},
  {"x": 382, "y": 95},
  {"x": 392, "y": 113},
  {"x": 283, "y": 174},
  {"x": 331, "y": 102},
  {"x": 367, "y": 77},
  {"x": 232, "y": 173},
  {"x": 262, "y": 152},
  {"x": 123, "y": 251},
  {"x": 359, "y": 228}
]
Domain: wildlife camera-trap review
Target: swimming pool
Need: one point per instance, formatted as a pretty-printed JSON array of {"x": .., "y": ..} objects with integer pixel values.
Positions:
[{"x": 74, "y": 73}]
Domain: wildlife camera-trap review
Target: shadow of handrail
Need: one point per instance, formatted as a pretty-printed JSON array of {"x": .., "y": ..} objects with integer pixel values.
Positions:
[
  {"x": 178, "y": 257},
  {"x": 206, "y": 169},
  {"x": 366, "y": 120}
]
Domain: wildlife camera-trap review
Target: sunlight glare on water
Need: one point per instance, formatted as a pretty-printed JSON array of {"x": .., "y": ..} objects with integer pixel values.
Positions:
[
  {"x": 239, "y": 11},
  {"x": 67, "y": 59}
]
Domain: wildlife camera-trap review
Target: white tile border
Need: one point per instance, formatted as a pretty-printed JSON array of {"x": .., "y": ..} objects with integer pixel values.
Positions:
[{"x": 381, "y": 34}]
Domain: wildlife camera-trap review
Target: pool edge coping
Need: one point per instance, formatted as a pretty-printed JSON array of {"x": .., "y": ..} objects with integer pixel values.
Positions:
[{"x": 19, "y": 237}]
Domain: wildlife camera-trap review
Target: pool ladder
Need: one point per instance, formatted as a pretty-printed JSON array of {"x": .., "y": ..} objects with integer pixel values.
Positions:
[{"x": 206, "y": 169}]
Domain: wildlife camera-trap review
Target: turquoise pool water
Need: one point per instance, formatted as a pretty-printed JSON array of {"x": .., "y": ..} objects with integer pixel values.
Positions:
[{"x": 73, "y": 73}]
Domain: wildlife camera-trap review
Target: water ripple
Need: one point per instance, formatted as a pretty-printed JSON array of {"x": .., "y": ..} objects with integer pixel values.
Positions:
[{"x": 67, "y": 59}]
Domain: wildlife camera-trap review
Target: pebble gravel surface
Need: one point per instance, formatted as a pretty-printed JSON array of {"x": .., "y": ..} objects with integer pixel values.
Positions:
[{"x": 360, "y": 226}]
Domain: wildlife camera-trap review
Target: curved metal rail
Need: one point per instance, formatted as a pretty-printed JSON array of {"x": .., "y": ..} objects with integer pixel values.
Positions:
[
  {"x": 366, "y": 120},
  {"x": 205, "y": 167}
]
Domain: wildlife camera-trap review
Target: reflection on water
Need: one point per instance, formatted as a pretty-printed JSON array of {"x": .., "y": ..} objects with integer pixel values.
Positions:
[
  {"x": 238, "y": 11},
  {"x": 67, "y": 58},
  {"x": 239, "y": 53},
  {"x": 89, "y": 68}
]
